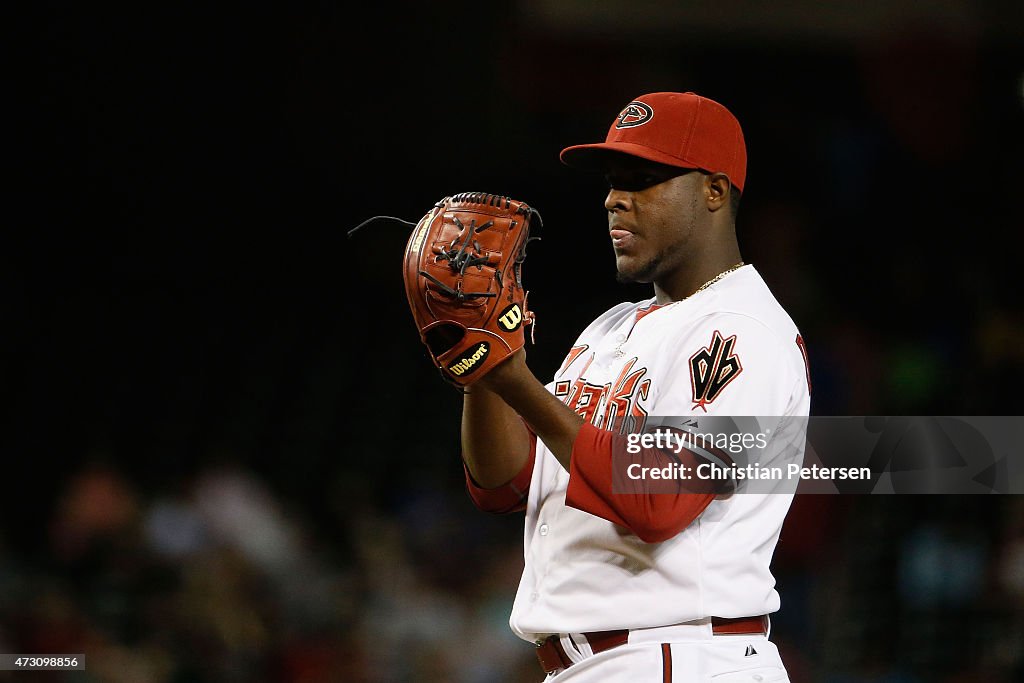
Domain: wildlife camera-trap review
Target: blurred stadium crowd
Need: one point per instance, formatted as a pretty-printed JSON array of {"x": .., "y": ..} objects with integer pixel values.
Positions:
[
  {"x": 229, "y": 460},
  {"x": 220, "y": 579}
]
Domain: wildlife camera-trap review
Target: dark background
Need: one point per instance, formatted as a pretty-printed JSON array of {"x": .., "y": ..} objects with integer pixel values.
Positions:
[{"x": 228, "y": 456}]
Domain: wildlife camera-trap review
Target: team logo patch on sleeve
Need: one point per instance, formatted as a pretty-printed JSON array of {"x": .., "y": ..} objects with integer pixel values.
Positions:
[{"x": 712, "y": 368}]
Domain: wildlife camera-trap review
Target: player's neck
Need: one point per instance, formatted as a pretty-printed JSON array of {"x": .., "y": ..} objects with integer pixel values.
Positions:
[{"x": 688, "y": 282}]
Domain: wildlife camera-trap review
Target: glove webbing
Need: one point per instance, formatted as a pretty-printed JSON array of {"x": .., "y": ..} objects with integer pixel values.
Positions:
[{"x": 460, "y": 259}]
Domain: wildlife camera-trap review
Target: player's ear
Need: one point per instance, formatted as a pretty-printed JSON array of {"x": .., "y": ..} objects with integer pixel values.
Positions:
[{"x": 716, "y": 190}]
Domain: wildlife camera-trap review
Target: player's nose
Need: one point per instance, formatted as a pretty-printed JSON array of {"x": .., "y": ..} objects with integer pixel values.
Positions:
[{"x": 618, "y": 200}]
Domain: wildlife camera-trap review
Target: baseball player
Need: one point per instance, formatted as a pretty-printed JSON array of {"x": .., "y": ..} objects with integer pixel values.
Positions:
[{"x": 636, "y": 585}]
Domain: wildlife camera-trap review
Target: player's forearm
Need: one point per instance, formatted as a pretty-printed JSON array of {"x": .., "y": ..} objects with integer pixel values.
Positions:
[
  {"x": 554, "y": 423},
  {"x": 495, "y": 442}
]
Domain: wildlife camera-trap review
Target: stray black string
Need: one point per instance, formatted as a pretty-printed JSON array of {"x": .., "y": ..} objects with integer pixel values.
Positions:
[
  {"x": 458, "y": 258},
  {"x": 379, "y": 218}
]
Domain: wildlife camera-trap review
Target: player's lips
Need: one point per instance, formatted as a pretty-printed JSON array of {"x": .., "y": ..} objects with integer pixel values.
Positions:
[{"x": 621, "y": 239}]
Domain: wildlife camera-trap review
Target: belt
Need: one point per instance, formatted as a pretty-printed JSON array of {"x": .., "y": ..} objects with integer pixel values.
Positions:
[{"x": 553, "y": 658}]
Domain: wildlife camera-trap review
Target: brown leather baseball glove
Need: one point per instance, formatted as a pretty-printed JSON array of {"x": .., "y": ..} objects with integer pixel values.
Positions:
[{"x": 463, "y": 278}]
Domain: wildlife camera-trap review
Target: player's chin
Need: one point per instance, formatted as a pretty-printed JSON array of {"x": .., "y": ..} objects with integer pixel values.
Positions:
[{"x": 630, "y": 269}]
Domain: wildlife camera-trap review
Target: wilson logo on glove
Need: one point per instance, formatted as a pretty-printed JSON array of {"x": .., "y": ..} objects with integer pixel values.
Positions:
[
  {"x": 463, "y": 280},
  {"x": 469, "y": 361},
  {"x": 510, "y": 318}
]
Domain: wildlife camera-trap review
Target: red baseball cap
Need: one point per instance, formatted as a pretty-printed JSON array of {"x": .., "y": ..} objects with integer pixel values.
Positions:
[{"x": 677, "y": 129}]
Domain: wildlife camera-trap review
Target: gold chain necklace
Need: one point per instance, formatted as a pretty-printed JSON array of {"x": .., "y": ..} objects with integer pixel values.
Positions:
[
  {"x": 717, "y": 278},
  {"x": 622, "y": 340}
]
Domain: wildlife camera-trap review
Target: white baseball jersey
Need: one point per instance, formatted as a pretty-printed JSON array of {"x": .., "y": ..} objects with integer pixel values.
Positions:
[{"x": 728, "y": 350}]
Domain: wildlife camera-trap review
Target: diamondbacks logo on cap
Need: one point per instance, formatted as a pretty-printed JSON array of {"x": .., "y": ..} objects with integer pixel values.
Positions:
[{"x": 635, "y": 114}]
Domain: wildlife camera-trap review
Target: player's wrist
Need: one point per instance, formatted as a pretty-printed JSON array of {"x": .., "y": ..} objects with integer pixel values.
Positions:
[{"x": 506, "y": 375}]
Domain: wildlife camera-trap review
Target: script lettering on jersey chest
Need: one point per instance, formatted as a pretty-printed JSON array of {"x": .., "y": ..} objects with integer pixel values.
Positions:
[{"x": 614, "y": 406}]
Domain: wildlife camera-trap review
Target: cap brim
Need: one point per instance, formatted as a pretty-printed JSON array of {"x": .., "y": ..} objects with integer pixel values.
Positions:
[{"x": 595, "y": 157}]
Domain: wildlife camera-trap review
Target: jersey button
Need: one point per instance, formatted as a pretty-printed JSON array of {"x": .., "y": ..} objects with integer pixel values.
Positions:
[{"x": 543, "y": 529}]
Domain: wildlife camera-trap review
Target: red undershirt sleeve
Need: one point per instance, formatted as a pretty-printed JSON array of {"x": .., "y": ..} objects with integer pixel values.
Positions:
[
  {"x": 509, "y": 497},
  {"x": 654, "y": 511}
]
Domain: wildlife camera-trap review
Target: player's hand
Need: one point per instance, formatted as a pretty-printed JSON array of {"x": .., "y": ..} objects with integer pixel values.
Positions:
[{"x": 506, "y": 375}]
